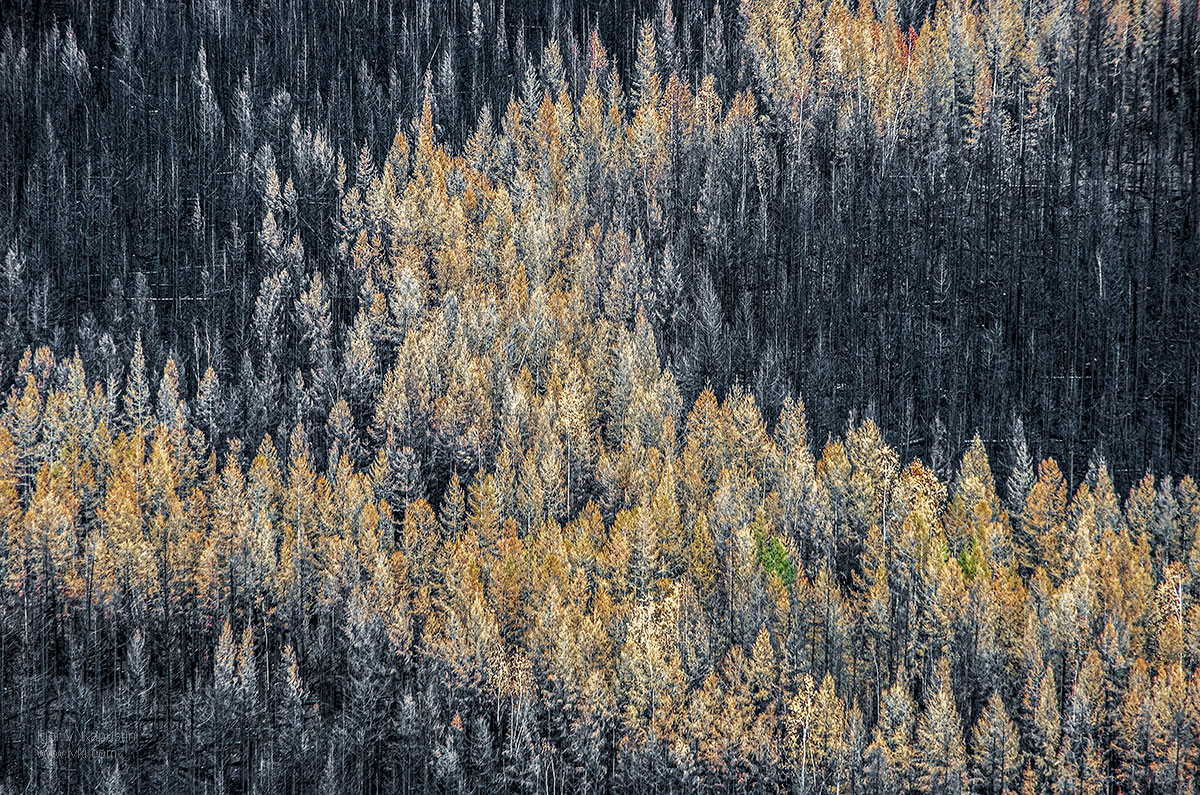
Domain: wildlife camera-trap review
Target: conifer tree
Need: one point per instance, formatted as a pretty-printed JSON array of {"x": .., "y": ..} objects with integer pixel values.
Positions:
[
  {"x": 137, "y": 388},
  {"x": 941, "y": 758},
  {"x": 995, "y": 754}
]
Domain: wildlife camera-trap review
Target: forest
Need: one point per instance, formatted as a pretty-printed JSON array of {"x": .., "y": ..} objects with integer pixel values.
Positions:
[{"x": 572, "y": 397}]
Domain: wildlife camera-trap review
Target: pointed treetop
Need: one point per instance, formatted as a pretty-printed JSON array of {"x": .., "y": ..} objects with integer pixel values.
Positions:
[
  {"x": 425, "y": 130},
  {"x": 137, "y": 388}
]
